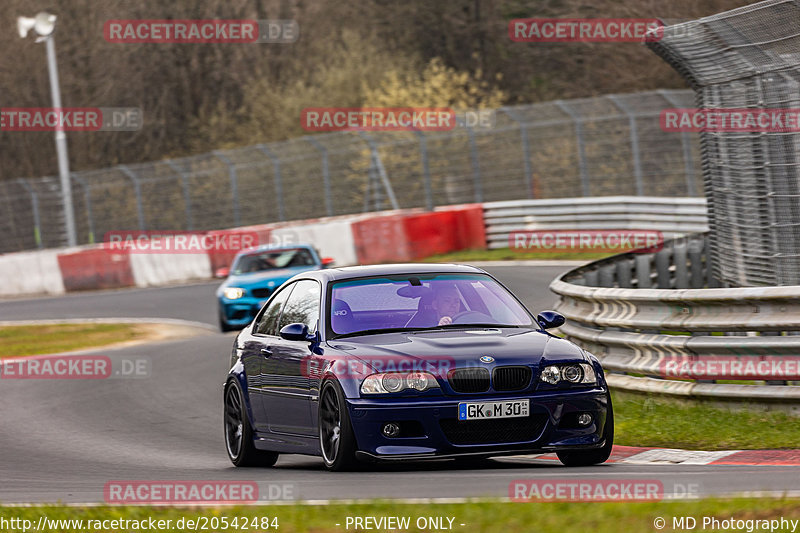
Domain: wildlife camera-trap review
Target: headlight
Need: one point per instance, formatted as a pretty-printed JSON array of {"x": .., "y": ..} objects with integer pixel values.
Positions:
[
  {"x": 391, "y": 382},
  {"x": 233, "y": 293},
  {"x": 575, "y": 373}
]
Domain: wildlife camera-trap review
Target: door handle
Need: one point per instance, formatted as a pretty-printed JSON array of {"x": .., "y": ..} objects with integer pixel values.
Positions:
[{"x": 266, "y": 352}]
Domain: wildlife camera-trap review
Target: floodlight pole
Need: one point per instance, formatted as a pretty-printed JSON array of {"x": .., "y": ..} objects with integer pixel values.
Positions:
[{"x": 61, "y": 143}]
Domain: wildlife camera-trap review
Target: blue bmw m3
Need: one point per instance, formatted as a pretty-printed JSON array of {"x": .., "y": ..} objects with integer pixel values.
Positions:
[{"x": 409, "y": 362}]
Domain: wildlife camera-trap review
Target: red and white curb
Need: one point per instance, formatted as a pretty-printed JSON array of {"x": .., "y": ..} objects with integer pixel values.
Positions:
[{"x": 669, "y": 456}]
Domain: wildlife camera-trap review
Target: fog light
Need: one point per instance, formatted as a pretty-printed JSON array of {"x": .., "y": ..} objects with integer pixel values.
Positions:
[
  {"x": 584, "y": 419},
  {"x": 391, "y": 430}
]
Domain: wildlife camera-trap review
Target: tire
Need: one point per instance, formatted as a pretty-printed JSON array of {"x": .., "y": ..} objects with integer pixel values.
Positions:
[
  {"x": 224, "y": 327},
  {"x": 593, "y": 457},
  {"x": 238, "y": 433},
  {"x": 336, "y": 438}
]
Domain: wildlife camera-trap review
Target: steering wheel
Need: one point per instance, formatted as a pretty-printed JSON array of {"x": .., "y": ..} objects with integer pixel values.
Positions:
[{"x": 465, "y": 317}]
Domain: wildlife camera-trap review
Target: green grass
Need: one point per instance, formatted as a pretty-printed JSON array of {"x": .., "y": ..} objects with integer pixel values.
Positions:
[
  {"x": 648, "y": 420},
  {"x": 18, "y": 341},
  {"x": 508, "y": 254},
  {"x": 484, "y": 517}
]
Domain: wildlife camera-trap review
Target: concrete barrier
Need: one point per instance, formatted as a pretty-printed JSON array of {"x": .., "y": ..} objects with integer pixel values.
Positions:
[
  {"x": 30, "y": 273},
  {"x": 95, "y": 268}
]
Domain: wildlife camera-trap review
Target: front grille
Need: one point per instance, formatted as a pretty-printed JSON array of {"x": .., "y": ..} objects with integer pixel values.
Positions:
[
  {"x": 469, "y": 380},
  {"x": 502, "y": 430},
  {"x": 261, "y": 293},
  {"x": 508, "y": 378}
]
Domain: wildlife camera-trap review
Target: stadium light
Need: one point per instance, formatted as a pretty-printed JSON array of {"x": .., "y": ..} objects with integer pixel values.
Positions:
[{"x": 44, "y": 24}]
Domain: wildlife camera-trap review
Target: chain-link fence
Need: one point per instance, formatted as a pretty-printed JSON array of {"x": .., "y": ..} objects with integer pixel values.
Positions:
[
  {"x": 610, "y": 145},
  {"x": 747, "y": 58}
]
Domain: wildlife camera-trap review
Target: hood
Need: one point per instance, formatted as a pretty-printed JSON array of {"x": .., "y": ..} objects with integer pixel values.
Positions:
[{"x": 460, "y": 348}]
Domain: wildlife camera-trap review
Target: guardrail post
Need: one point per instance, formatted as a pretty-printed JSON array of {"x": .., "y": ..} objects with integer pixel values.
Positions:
[
  {"x": 87, "y": 198},
  {"x": 582, "y": 165},
  {"x": 643, "y": 271},
  {"x": 662, "y": 268},
  {"x": 681, "y": 271},
  {"x": 476, "y": 166},
  {"x": 686, "y": 146},
  {"x": 624, "y": 273},
  {"x": 37, "y": 226},
  {"x": 426, "y": 169},
  {"x": 137, "y": 188},
  {"x": 696, "y": 275},
  {"x": 237, "y": 216},
  {"x": 326, "y": 176},
  {"x": 526, "y": 149},
  {"x": 187, "y": 198},
  {"x": 637, "y": 161},
  {"x": 276, "y": 165}
]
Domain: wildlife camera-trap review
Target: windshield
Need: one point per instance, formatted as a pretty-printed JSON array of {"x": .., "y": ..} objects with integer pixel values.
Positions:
[
  {"x": 422, "y": 301},
  {"x": 273, "y": 259}
]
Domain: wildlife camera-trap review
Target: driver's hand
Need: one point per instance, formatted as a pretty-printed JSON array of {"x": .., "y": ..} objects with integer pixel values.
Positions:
[{"x": 445, "y": 320}]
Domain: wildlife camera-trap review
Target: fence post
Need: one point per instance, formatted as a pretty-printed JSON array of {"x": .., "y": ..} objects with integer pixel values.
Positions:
[
  {"x": 582, "y": 166},
  {"x": 637, "y": 161},
  {"x": 276, "y": 163},
  {"x": 237, "y": 215},
  {"x": 187, "y": 198},
  {"x": 137, "y": 187},
  {"x": 37, "y": 226},
  {"x": 326, "y": 176},
  {"x": 476, "y": 167},
  {"x": 87, "y": 197},
  {"x": 526, "y": 149},
  {"x": 376, "y": 158},
  {"x": 686, "y": 146},
  {"x": 426, "y": 169}
]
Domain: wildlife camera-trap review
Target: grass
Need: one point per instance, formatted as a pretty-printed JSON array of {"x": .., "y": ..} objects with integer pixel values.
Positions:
[
  {"x": 18, "y": 341},
  {"x": 486, "y": 517},
  {"x": 509, "y": 254},
  {"x": 648, "y": 420}
]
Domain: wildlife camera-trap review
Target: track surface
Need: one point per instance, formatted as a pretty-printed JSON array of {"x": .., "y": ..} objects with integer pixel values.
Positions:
[{"x": 62, "y": 440}]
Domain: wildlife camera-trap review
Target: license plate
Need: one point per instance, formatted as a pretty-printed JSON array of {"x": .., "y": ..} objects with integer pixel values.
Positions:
[{"x": 488, "y": 410}]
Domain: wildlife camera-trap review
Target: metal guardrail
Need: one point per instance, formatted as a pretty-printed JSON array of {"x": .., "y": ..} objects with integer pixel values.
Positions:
[
  {"x": 639, "y": 312},
  {"x": 671, "y": 216}
]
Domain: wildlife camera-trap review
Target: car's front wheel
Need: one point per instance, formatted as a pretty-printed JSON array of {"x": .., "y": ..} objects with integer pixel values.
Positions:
[
  {"x": 336, "y": 438},
  {"x": 239, "y": 433},
  {"x": 593, "y": 457}
]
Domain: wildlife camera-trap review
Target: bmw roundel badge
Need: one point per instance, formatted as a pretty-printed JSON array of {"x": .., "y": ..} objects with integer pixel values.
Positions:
[{"x": 487, "y": 359}]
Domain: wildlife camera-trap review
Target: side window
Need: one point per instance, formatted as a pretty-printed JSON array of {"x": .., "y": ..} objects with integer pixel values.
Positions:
[
  {"x": 302, "y": 306},
  {"x": 267, "y": 324}
]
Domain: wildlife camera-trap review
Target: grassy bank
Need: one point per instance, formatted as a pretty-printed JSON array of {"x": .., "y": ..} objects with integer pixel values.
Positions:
[{"x": 18, "y": 341}]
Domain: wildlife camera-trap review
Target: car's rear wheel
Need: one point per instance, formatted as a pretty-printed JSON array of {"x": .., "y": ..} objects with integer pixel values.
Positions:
[
  {"x": 593, "y": 457},
  {"x": 239, "y": 434},
  {"x": 336, "y": 438}
]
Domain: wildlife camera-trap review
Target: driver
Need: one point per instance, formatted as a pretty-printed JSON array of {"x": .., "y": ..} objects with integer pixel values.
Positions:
[{"x": 446, "y": 302}]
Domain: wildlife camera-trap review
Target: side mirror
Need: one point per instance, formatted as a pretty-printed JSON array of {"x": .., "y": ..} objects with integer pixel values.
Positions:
[
  {"x": 297, "y": 332},
  {"x": 327, "y": 261},
  {"x": 550, "y": 319},
  {"x": 222, "y": 272}
]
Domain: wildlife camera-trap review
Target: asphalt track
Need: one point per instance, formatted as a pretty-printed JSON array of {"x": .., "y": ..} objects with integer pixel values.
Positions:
[{"x": 62, "y": 440}]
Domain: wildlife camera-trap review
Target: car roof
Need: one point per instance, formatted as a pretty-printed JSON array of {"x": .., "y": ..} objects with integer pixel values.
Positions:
[{"x": 340, "y": 273}]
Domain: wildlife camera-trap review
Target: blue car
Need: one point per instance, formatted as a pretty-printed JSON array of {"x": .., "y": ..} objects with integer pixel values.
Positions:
[
  {"x": 409, "y": 362},
  {"x": 255, "y": 274}
]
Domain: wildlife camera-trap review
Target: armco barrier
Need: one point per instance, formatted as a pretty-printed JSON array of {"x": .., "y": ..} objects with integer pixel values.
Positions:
[
  {"x": 95, "y": 268},
  {"x": 613, "y": 311},
  {"x": 671, "y": 216},
  {"x": 30, "y": 273}
]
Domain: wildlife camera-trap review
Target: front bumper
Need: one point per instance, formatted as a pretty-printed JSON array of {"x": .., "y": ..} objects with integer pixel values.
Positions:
[
  {"x": 241, "y": 311},
  {"x": 549, "y": 426}
]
